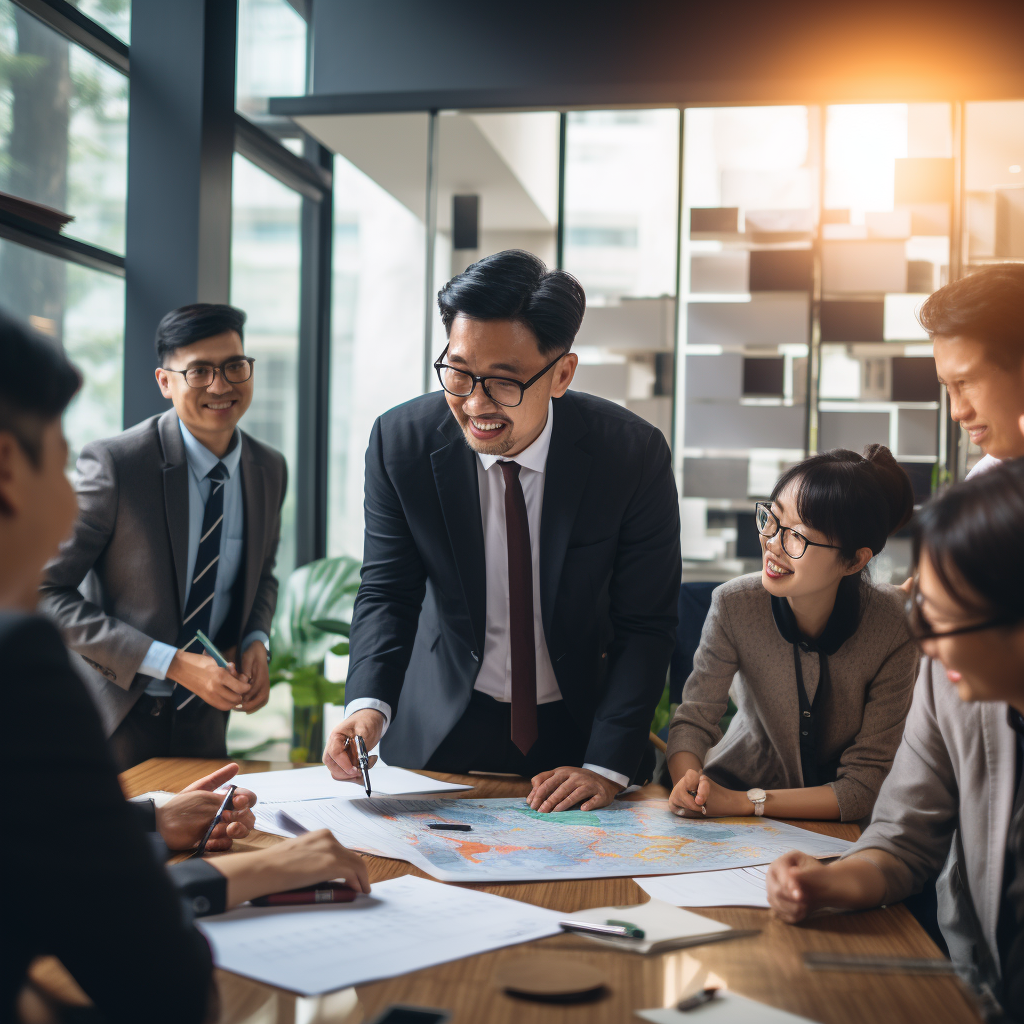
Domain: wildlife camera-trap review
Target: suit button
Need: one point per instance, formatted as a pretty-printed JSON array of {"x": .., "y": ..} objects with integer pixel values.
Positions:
[
  {"x": 807, "y": 714},
  {"x": 804, "y": 733},
  {"x": 201, "y": 905},
  {"x": 476, "y": 657}
]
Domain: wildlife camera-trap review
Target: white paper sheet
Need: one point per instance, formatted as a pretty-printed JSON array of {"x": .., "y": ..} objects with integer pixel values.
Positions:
[
  {"x": 316, "y": 784},
  {"x": 404, "y": 925},
  {"x": 509, "y": 842},
  {"x": 725, "y": 1008},
  {"x": 733, "y": 887},
  {"x": 665, "y": 926}
]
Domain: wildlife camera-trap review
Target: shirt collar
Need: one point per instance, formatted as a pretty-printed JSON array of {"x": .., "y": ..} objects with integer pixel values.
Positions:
[
  {"x": 201, "y": 460},
  {"x": 841, "y": 625},
  {"x": 535, "y": 457}
]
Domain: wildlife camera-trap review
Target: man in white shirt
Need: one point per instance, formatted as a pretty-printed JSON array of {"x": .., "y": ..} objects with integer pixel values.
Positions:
[
  {"x": 521, "y": 566},
  {"x": 977, "y": 330}
]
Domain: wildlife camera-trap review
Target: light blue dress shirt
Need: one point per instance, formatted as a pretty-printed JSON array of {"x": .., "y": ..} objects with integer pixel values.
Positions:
[{"x": 232, "y": 541}]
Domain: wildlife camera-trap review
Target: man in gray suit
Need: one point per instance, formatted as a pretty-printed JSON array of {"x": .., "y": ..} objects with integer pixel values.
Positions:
[{"x": 178, "y": 526}]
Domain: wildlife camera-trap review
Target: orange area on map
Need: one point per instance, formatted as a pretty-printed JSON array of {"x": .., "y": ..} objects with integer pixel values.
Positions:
[{"x": 469, "y": 849}]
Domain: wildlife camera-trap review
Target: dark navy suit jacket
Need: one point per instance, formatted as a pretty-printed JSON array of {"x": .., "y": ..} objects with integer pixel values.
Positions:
[{"x": 609, "y": 563}]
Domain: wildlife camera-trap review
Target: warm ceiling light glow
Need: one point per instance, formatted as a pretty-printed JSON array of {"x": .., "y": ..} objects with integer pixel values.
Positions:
[
  {"x": 1015, "y": 168},
  {"x": 862, "y": 144}
]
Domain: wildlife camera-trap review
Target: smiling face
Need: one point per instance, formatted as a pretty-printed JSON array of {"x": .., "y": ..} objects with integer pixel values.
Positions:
[
  {"x": 211, "y": 414},
  {"x": 817, "y": 572},
  {"x": 503, "y": 348},
  {"x": 985, "y": 665},
  {"x": 986, "y": 397}
]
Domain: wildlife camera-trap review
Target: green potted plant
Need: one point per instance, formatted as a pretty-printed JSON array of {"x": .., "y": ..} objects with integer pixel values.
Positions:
[{"x": 315, "y": 608}]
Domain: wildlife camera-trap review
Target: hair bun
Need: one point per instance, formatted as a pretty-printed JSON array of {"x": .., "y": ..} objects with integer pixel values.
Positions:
[{"x": 895, "y": 484}]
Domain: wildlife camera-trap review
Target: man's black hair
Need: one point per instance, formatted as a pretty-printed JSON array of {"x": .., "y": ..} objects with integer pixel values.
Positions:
[
  {"x": 188, "y": 324},
  {"x": 516, "y": 285},
  {"x": 37, "y": 383}
]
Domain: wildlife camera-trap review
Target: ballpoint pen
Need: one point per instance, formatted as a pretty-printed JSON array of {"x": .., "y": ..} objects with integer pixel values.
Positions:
[
  {"x": 699, "y": 999},
  {"x": 225, "y": 803},
  {"x": 614, "y": 929},
  {"x": 364, "y": 763}
]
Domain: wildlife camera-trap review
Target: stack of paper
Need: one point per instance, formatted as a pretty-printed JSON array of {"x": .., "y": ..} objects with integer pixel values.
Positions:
[
  {"x": 404, "y": 925},
  {"x": 276, "y": 792},
  {"x": 735, "y": 887}
]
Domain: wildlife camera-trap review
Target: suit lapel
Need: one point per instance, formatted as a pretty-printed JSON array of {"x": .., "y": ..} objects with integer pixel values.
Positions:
[
  {"x": 458, "y": 489},
  {"x": 565, "y": 477},
  {"x": 175, "y": 479},
  {"x": 255, "y": 516}
]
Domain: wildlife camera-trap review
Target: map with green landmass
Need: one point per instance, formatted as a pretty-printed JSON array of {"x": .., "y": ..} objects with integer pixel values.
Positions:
[{"x": 509, "y": 841}]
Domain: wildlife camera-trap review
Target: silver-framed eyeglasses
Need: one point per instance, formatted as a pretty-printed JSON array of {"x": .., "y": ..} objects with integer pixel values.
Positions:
[
  {"x": 793, "y": 543},
  {"x": 236, "y": 370}
]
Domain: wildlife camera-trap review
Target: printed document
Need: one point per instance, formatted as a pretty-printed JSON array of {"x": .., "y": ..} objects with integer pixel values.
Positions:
[{"x": 404, "y": 925}]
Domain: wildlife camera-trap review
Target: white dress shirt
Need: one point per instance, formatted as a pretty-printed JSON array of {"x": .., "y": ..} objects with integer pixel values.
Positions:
[
  {"x": 200, "y": 461},
  {"x": 495, "y": 676}
]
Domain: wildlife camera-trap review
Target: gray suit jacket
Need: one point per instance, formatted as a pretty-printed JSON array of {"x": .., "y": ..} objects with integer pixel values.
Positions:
[
  {"x": 118, "y": 582},
  {"x": 954, "y": 771},
  {"x": 872, "y": 678}
]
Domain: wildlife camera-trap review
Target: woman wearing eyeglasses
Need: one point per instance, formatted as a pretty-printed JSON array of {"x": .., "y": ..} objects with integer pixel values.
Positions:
[
  {"x": 822, "y": 659},
  {"x": 956, "y": 779}
]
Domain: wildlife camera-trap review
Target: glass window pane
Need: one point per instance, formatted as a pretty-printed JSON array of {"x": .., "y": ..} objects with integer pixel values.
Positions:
[
  {"x": 271, "y": 54},
  {"x": 620, "y": 240},
  {"x": 63, "y": 128},
  {"x": 621, "y": 193},
  {"x": 265, "y": 258},
  {"x": 377, "y": 309},
  {"x": 84, "y": 309},
  {"x": 265, "y": 265},
  {"x": 114, "y": 15}
]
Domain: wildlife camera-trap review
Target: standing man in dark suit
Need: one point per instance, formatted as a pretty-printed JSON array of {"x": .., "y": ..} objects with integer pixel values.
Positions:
[
  {"x": 179, "y": 520},
  {"x": 521, "y": 566}
]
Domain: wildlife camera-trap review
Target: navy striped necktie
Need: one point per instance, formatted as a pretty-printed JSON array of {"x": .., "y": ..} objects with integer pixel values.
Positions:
[{"x": 204, "y": 576}]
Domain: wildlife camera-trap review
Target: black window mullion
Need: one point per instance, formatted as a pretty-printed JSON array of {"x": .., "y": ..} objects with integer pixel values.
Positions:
[{"x": 71, "y": 23}]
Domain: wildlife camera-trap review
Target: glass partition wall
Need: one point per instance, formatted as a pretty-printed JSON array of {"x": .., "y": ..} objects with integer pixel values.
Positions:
[{"x": 753, "y": 276}]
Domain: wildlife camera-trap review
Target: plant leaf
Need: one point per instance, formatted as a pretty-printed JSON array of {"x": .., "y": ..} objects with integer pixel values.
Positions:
[
  {"x": 341, "y": 648},
  {"x": 331, "y": 626}
]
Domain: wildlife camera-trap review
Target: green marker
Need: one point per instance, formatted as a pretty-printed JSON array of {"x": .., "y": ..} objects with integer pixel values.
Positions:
[{"x": 211, "y": 649}]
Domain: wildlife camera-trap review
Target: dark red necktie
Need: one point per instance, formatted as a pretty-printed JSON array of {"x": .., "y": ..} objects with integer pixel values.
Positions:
[{"x": 520, "y": 611}]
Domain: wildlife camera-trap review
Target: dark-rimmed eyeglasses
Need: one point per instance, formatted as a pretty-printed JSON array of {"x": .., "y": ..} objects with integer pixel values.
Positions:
[
  {"x": 505, "y": 391},
  {"x": 921, "y": 629},
  {"x": 793, "y": 543},
  {"x": 236, "y": 370}
]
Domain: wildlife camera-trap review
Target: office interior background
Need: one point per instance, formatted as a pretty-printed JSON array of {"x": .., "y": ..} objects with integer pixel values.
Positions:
[{"x": 753, "y": 255}]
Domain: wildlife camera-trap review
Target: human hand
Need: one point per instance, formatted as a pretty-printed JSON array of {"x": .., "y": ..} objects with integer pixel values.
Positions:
[
  {"x": 340, "y": 755},
  {"x": 562, "y": 788},
  {"x": 310, "y": 858},
  {"x": 711, "y": 800},
  {"x": 254, "y": 665},
  {"x": 797, "y": 885},
  {"x": 221, "y": 688},
  {"x": 184, "y": 819}
]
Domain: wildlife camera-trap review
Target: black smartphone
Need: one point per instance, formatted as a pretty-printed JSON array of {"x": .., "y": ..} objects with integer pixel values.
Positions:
[{"x": 411, "y": 1015}]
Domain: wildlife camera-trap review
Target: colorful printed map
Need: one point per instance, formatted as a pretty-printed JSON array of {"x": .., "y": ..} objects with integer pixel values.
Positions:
[{"x": 511, "y": 842}]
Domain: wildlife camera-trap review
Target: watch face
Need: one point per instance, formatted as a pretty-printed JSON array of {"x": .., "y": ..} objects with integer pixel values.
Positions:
[{"x": 756, "y": 795}]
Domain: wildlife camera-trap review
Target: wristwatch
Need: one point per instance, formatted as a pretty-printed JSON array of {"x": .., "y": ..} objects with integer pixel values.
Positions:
[{"x": 757, "y": 797}]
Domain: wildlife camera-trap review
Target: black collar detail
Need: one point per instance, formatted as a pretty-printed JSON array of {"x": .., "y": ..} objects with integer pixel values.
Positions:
[{"x": 841, "y": 625}]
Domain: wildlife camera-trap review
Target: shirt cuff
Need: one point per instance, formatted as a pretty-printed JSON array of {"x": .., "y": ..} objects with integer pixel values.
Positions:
[
  {"x": 622, "y": 780},
  {"x": 256, "y": 634},
  {"x": 360, "y": 703},
  {"x": 157, "y": 660}
]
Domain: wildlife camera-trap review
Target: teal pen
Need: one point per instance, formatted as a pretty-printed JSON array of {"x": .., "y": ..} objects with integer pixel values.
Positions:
[{"x": 213, "y": 652}]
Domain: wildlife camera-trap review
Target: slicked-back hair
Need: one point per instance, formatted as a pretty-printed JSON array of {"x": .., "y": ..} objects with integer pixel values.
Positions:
[
  {"x": 972, "y": 533},
  {"x": 857, "y": 501},
  {"x": 188, "y": 324},
  {"x": 987, "y": 306},
  {"x": 516, "y": 285},
  {"x": 37, "y": 383}
]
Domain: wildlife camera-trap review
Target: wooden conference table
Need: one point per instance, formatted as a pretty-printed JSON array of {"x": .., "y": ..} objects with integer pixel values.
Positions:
[{"x": 767, "y": 967}]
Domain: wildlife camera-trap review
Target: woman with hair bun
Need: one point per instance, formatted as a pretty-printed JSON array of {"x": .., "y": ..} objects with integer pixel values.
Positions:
[{"x": 823, "y": 662}]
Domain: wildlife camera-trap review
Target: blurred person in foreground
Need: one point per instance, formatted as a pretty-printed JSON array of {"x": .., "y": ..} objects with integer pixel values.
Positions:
[
  {"x": 104, "y": 906},
  {"x": 954, "y": 796}
]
